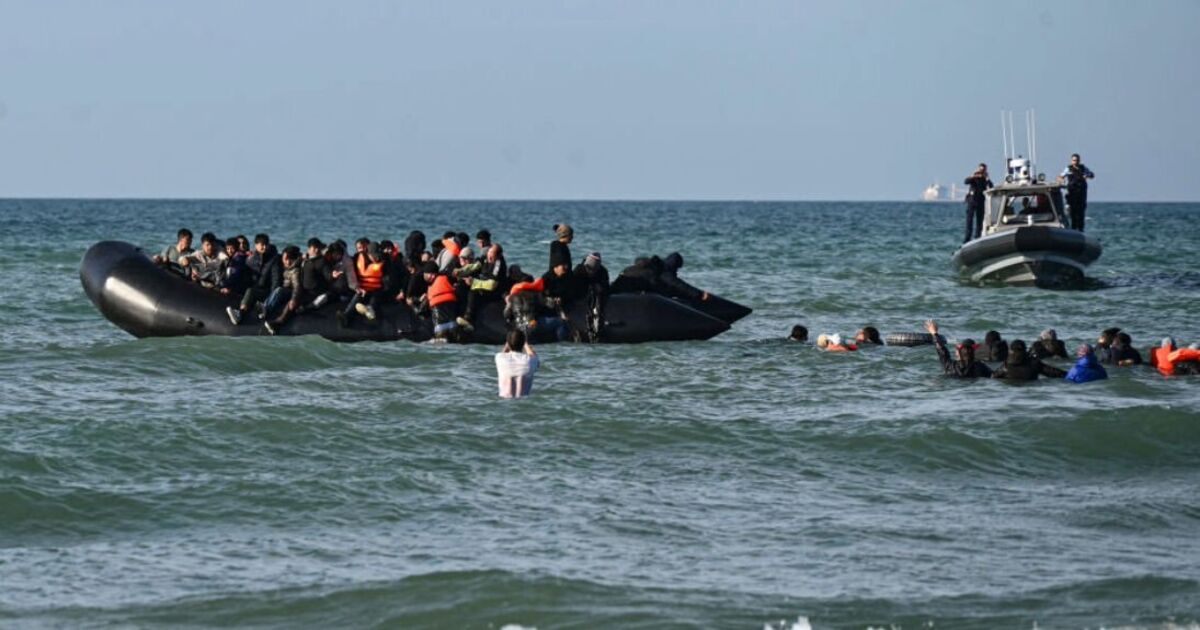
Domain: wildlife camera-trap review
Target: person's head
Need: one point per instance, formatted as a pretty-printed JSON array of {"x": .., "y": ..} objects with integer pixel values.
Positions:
[
  {"x": 991, "y": 337},
  {"x": 799, "y": 333},
  {"x": 868, "y": 334},
  {"x": 483, "y": 238},
  {"x": 436, "y": 248},
  {"x": 462, "y": 239},
  {"x": 387, "y": 247},
  {"x": 1084, "y": 350},
  {"x": 466, "y": 256},
  {"x": 1016, "y": 352},
  {"x": 335, "y": 251},
  {"x": 965, "y": 350},
  {"x": 561, "y": 269},
  {"x": 430, "y": 271},
  {"x": 374, "y": 253},
  {"x": 494, "y": 252},
  {"x": 1074, "y": 159},
  {"x": 243, "y": 243},
  {"x": 231, "y": 246},
  {"x": 516, "y": 341},
  {"x": 360, "y": 246},
  {"x": 592, "y": 261},
  {"x": 315, "y": 247},
  {"x": 1017, "y": 345},
  {"x": 1049, "y": 335},
  {"x": 1123, "y": 339},
  {"x": 564, "y": 233},
  {"x": 1106, "y": 337},
  {"x": 673, "y": 262},
  {"x": 208, "y": 243},
  {"x": 183, "y": 238},
  {"x": 822, "y": 340},
  {"x": 262, "y": 242},
  {"x": 291, "y": 254},
  {"x": 982, "y": 168},
  {"x": 1168, "y": 343}
]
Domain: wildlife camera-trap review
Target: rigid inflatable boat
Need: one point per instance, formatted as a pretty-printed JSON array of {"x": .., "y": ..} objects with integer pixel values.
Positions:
[{"x": 146, "y": 300}]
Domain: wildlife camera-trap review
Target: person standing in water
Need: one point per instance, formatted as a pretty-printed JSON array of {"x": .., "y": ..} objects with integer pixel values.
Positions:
[
  {"x": 1076, "y": 176},
  {"x": 976, "y": 184},
  {"x": 515, "y": 366}
]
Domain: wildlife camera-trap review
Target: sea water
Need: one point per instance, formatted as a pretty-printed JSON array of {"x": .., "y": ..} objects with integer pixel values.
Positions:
[{"x": 741, "y": 482}]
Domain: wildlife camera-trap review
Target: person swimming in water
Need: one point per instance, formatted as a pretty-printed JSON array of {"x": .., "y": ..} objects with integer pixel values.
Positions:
[
  {"x": 799, "y": 333},
  {"x": 1020, "y": 366},
  {"x": 1048, "y": 345},
  {"x": 834, "y": 343},
  {"x": 1087, "y": 368},
  {"x": 963, "y": 365},
  {"x": 868, "y": 335}
]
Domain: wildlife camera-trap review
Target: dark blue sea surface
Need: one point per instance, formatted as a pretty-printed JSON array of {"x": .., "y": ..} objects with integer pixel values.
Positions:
[{"x": 742, "y": 482}]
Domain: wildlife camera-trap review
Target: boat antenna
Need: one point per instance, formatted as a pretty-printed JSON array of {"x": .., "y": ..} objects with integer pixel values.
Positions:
[
  {"x": 1004, "y": 136},
  {"x": 1033, "y": 147}
]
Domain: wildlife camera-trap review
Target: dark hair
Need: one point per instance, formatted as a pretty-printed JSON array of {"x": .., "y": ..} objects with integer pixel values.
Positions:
[
  {"x": 430, "y": 267},
  {"x": 232, "y": 241},
  {"x": 336, "y": 248},
  {"x": 1124, "y": 338},
  {"x": 262, "y": 238},
  {"x": 436, "y": 246},
  {"x": 483, "y": 235},
  {"x": 982, "y": 165},
  {"x": 386, "y": 244},
  {"x": 449, "y": 234},
  {"x": 1075, "y": 155},
  {"x": 872, "y": 334},
  {"x": 516, "y": 340},
  {"x": 291, "y": 251},
  {"x": 1017, "y": 345},
  {"x": 991, "y": 337},
  {"x": 316, "y": 242},
  {"x": 462, "y": 239},
  {"x": 208, "y": 237},
  {"x": 182, "y": 233},
  {"x": 799, "y": 333},
  {"x": 1110, "y": 332},
  {"x": 362, "y": 241}
]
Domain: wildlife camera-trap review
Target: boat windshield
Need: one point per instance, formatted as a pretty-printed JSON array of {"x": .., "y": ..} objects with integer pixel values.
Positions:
[{"x": 1024, "y": 207}]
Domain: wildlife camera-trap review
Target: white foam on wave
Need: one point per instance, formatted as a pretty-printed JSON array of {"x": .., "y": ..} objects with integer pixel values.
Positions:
[{"x": 801, "y": 623}]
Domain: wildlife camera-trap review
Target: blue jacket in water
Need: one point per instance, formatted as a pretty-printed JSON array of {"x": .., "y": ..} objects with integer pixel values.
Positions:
[{"x": 1086, "y": 369}]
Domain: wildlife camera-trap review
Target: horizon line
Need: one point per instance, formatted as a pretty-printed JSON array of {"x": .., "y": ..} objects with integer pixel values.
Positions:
[{"x": 537, "y": 199}]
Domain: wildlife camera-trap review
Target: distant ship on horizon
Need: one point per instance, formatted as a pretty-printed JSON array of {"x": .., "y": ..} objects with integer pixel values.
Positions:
[{"x": 938, "y": 192}]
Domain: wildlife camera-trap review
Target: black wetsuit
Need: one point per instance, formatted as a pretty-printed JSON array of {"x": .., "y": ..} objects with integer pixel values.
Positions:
[
  {"x": 959, "y": 369},
  {"x": 1046, "y": 348},
  {"x": 1020, "y": 367},
  {"x": 994, "y": 352},
  {"x": 1077, "y": 187},
  {"x": 976, "y": 184},
  {"x": 1125, "y": 353},
  {"x": 592, "y": 282},
  {"x": 560, "y": 254}
]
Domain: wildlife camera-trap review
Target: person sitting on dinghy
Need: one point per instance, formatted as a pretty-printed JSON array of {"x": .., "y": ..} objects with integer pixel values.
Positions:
[
  {"x": 267, "y": 270},
  {"x": 288, "y": 298},
  {"x": 234, "y": 273},
  {"x": 204, "y": 267},
  {"x": 368, "y": 276},
  {"x": 170, "y": 255}
]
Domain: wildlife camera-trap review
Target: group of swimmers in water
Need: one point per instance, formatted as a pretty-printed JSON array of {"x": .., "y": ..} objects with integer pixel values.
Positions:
[
  {"x": 446, "y": 280},
  {"x": 1021, "y": 362}
]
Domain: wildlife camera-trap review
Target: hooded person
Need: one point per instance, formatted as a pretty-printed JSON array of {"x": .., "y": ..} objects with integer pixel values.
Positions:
[
  {"x": 414, "y": 250},
  {"x": 560, "y": 283},
  {"x": 964, "y": 364},
  {"x": 1087, "y": 368},
  {"x": 1020, "y": 366},
  {"x": 993, "y": 348},
  {"x": 670, "y": 284},
  {"x": 1048, "y": 345},
  {"x": 592, "y": 281},
  {"x": 644, "y": 275}
]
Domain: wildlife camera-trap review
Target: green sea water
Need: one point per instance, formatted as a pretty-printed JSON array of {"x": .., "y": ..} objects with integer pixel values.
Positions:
[{"x": 742, "y": 482}]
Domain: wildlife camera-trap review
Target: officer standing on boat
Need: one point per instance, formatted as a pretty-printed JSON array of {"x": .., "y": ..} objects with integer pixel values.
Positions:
[
  {"x": 976, "y": 184},
  {"x": 1076, "y": 176}
]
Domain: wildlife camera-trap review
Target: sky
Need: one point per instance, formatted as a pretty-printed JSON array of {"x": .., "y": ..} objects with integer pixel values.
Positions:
[{"x": 763, "y": 100}]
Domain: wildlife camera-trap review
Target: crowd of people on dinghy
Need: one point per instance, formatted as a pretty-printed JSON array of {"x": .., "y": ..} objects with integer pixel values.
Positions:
[{"x": 448, "y": 279}]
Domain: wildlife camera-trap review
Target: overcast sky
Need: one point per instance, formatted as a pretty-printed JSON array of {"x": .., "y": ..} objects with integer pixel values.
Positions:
[{"x": 587, "y": 100}]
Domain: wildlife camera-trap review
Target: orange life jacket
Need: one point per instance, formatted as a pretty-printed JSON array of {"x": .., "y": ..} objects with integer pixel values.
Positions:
[
  {"x": 520, "y": 287},
  {"x": 370, "y": 275},
  {"x": 441, "y": 291},
  {"x": 451, "y": 245},
  {"x": 1165, "y": 359}
]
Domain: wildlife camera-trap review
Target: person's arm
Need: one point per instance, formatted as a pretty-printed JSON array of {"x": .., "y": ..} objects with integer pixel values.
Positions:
[
  {"x": 1087, "y": 172},
  {"x": 939, "y": 345},
  {"x": 1050, "y": 371}
]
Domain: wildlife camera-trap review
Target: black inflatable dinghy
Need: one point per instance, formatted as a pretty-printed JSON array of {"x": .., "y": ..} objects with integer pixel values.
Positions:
[{"x": 148, "y": 301}]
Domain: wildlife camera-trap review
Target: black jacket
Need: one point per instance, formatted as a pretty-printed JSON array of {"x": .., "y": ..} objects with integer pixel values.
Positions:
[
  {"x": 645, "y": 274},
  {"x": 315, "y": 276},
  {"x": 560, "y": 254},
  {"x": 959, "y": 369},
  {"x": 993, "y": 352},
  {"x": 1044, "y": 349},
  {"x": 414, "y": 246},
  {"x": 268, "y": 269},
  {"x": 671, "y": 285},
  {"x": 976, "y": 184},
  {"x": 1021, "y": 367}
]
